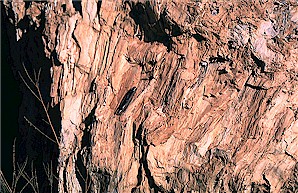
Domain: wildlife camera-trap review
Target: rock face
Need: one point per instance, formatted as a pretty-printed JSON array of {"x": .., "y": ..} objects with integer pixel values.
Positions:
[{"x": 214, "y": 108}]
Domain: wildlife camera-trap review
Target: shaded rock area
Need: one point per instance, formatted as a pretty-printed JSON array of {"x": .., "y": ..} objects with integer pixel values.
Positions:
[{"x": 166, "y": 96}]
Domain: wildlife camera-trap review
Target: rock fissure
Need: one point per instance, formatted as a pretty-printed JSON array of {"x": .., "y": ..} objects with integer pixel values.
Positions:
[
  {"x": 144, "y": 147},
  {"x": 125, "y": 101}
]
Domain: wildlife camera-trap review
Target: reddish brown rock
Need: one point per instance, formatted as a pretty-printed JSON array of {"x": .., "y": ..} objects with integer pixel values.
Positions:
[{"x": 215, "y": 108}]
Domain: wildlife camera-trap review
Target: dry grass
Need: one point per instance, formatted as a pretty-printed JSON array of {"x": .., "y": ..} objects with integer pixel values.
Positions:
[{"x": 18, "y": 174}]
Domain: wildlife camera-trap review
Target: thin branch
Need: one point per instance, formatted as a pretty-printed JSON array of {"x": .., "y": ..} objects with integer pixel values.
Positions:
[
  {"x": 86, "y": 180},
  {"x": 89, "y": 184},
  {"x": 48, "y": 171},
  {"x": 14, "y": 163},
  {"x": 55, "y": 177},
  {"x": 34, "y": 174},
  {"x": 80, "y": 174},
  {"x": 19, "y": 175},
  {"x": 24, "y": 187},
  {"x": 39, "y": 97},
  {"x": 38, "y": 75},
  {"x": 28, "y": 74},
  {"x": 4, "y": 182},
  {"x": 45, "y": 121},
  {"x": 35, "y": 77},
  {"x": 29, "y": 180},
  {"x": 28, "y": 87},
  {"x": 47, "y": 114},
  {"x": 31, "y": 124},
  {"x": 21, "y": 167},
  {"x": 16, "y": 173}
]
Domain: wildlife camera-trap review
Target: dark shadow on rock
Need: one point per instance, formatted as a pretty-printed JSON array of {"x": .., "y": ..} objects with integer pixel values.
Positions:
[
  {"x": 153, "y": 29},
  {"x": 29, "y": 51},
  {"x": 10, "y": 102}
]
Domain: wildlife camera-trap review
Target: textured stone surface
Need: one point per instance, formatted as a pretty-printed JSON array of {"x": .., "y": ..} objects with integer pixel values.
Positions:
[{"x": 215, "y": 108}]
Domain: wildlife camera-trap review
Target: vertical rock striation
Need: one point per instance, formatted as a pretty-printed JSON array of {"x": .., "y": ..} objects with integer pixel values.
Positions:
[{"x": 214, "y": 103}]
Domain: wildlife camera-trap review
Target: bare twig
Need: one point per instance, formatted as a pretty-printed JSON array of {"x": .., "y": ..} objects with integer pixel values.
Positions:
[
  {"x": 45, "y": 121},
  {"x": 48, "y": 105},
  {"x": 13, "y": 162},
  {"x": 4, "y": 182},
  {"x": 80, "y": 174},
  {"x": 24, "y": 187},
  {"x": 34, "y": 174},
  {"x": 31, "y": 124},
  {"x": 28, "y": 75},
  {"x": 87, "y": 185},
  {"x": 38, "y": 75},
  {"x": 39, "y": 97},
  {"x": 34, "y": 73},
  {"x": 47, "y": 114},
  {"x": 30, "y": 180},
  {"x": 28, "y": 86},
  {"x": 18, "y": 174},
  {"x": 49, "y": 172}
]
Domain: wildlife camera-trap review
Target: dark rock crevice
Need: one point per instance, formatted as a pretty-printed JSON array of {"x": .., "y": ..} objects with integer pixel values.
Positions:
[
  {"x": 101, "y": 180},
  {"x": 154, "y": 30},
  {"x": 144, "y": 168}
]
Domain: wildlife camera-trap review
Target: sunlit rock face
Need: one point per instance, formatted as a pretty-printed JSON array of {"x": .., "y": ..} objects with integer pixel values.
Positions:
[{"x": 172, "y": 96}]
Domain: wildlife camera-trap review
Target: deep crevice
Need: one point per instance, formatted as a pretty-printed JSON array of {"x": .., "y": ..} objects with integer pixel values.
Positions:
[
  {"x": 103, "y": 179},
  {"x": 99, "y": 7},
  {"x": 256, "y": 188},
  {"x": 92, "y": 87},
  {"x": 266, "y": 185},
  {"x": 77, "y": 5},
  {"x": 55, "y": 59},
  {"x": 199, "y": 37},
  {"x": 90, "y": 118},
  {"x": 154, "y": 30},
  {"x": 170, "y": 89},
  {"x": 82, "y": 173},
  {"x": 149, "y": 176},
  {"x": 63, "y": 7},
  {"x": 255, "y": 87},
  {"x": 141, "y": 137},
  {"x": 218, "y": 59},
  {"x": 125, "y": 101},
  {"x": 83, "y": 156},
  {"x": 261, "y": 64},
  {"x": 222, "y": 71},
  {"x": 138, "y": 141}
]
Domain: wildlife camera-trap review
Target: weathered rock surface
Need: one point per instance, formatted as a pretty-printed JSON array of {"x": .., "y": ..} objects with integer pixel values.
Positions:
[{"x": 215, "y": 109}]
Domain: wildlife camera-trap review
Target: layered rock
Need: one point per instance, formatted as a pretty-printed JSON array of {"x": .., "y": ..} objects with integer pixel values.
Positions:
[{"x": 215, "y": 107}]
